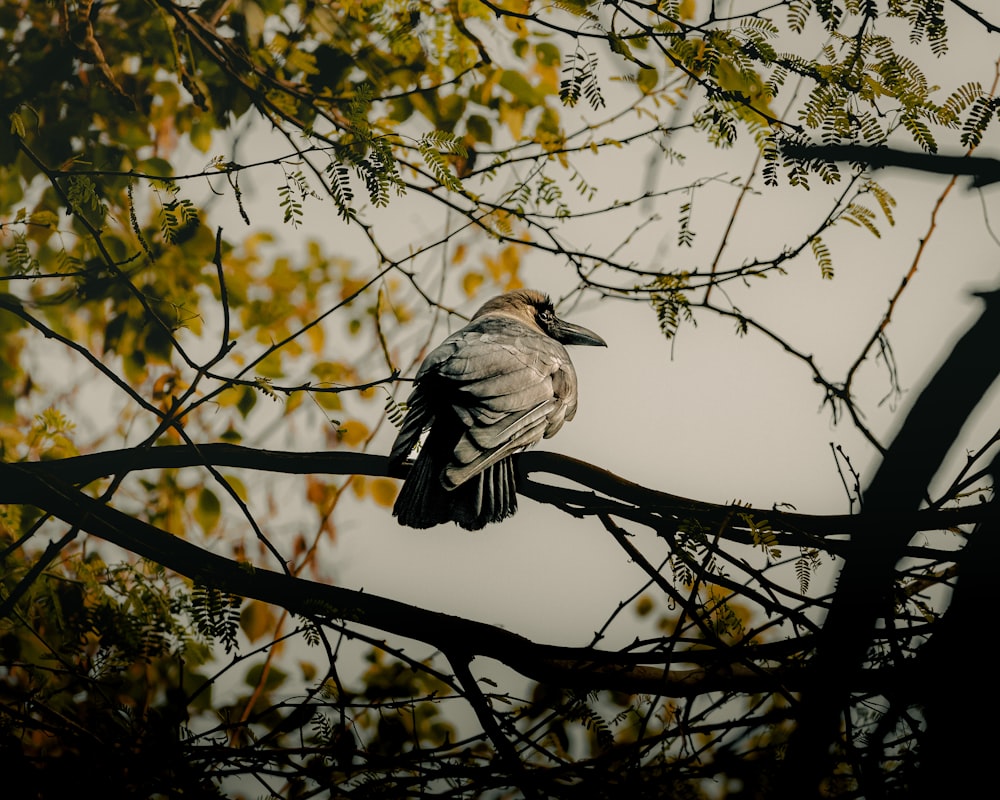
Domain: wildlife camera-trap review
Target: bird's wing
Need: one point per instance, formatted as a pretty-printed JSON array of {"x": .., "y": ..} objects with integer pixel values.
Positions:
[
  {"x": 428, "y": 395},
  {"x": 509, "y": 386}
]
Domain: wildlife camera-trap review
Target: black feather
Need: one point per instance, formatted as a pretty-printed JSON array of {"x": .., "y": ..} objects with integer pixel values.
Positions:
[{"x": 488, "y": 391}]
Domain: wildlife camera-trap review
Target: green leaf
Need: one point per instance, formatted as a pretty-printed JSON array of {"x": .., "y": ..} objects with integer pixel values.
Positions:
[
  {"x": 921, "y": 133},
  {"x": 479, "y": 128},
  {"x": 577, "y": 7},
  {"x": 17, "y": 125},
  {"x": 647, "y": 79},
  {"x": 248, "y": 399},
  {"x": 547, "y": 54},
  {"x": 207, "y": 510},
  {"x": 822, "y": 254},
  {"x": 275, "y": 677},
  {"x": 430, "y": 147},
  {"x": 621, "y": 47},
  {"x": 517, "y": 85}
]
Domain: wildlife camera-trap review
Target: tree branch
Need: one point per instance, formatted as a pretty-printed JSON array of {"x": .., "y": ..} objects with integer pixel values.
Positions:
[
  {"x": 581, "y": 667},
  {"x": 984, "y": 171},
  {"x": 634, "y": 501}
]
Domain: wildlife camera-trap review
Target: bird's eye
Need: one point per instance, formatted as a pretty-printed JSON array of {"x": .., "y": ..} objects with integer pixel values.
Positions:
[{"x": 546, "y": 315}]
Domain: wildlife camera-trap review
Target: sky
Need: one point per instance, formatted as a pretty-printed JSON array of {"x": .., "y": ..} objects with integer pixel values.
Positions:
[
  {"x": 713, "y": 416},
  {"x": 710, "y": 415}
]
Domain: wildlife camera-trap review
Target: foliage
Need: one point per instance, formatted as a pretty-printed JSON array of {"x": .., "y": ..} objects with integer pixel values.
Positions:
[{"x": 141, "y": 277}]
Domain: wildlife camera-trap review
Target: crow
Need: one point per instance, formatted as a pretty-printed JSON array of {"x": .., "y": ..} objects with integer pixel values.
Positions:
[{"x": 497, "y": 386}]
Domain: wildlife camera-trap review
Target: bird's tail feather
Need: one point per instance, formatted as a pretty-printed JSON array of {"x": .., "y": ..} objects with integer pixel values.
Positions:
[
  {"x": 490, "y": 496},
  {"x": 487, "y": 497},
  {"x": 422, "y": 501}
]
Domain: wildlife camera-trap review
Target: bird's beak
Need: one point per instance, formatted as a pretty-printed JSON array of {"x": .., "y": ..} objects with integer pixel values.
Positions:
[{"x": 568, "y": 333}]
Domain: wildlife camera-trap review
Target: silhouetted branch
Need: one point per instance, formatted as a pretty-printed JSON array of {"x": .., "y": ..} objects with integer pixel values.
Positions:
[
  {"x": 977, "y": 16},
  {"x": 984, "y": 171},
  {"x": 610, "y": 493},
  {"x": 585, "y": 667},
  {"x": 865, "y": 590},
  {"x": 45, "y": 486}
]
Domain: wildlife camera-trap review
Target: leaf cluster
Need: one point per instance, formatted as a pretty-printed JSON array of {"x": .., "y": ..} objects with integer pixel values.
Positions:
[{"x": 113, "y": 261}]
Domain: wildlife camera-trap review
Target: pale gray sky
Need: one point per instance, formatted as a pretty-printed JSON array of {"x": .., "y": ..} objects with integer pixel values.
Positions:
[{"x": 712, "y": 416}]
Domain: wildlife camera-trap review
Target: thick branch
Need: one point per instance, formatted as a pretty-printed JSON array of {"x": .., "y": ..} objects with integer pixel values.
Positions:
[
  {"x": 582, "y": 667},
  {"x": 611, "y": 493},
  {"x": 984, "y": 171},
  {"x": 865, "y": 591}
]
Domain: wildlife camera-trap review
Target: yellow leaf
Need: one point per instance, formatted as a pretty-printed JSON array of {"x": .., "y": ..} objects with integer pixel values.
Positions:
[
  {"x": 383, "y": 491},
  {"x": 647, "y": 79},
  {"x": 294, "y": 401},
  {"x": 317, "y": 338},
  {"x": 510, "y": 260},
  {"x": 134, "y": 367},
  {"x": 201, "y": 136},
  {"x": 334, "y": 372},
  {"x": 471, "y": 283},
  {"x": 329, "y": 401},
  {"x": 60, "y": 447},
  {"x": 350, "y": 286},
  {"x": 402, "y": 313},
  {"x": 11, "y": 438},
  {"x": 317, "y": 492},
  {"x": 353, "y": 432},
  {"x": 257, "y": 619},
  {"x": 643, "y": 605},
  {"x": 513, "y": 118},
  {"x": 237, "y": 486},
  {"x": 504, "y": 268},
  {"x": 230, "y": 396}
]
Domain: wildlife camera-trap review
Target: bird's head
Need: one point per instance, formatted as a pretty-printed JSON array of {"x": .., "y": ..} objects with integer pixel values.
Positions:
[{"x": 535, "y": 309}]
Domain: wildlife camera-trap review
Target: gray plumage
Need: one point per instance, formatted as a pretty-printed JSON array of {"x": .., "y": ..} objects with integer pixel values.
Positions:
[{"x": 493, "y": 388}]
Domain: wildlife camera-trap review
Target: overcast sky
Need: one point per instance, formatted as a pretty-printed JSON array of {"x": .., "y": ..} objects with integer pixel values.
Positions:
[
  {"x": 713, "y": 416},
  {"x": 710, "y": 416}
]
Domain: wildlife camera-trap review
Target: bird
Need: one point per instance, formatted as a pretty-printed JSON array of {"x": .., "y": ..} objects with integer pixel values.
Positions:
[{"x": 491, "y": 389}]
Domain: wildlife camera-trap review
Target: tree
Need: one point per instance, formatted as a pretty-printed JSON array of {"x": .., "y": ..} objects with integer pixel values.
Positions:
[{"x": 169, "y": 622}]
